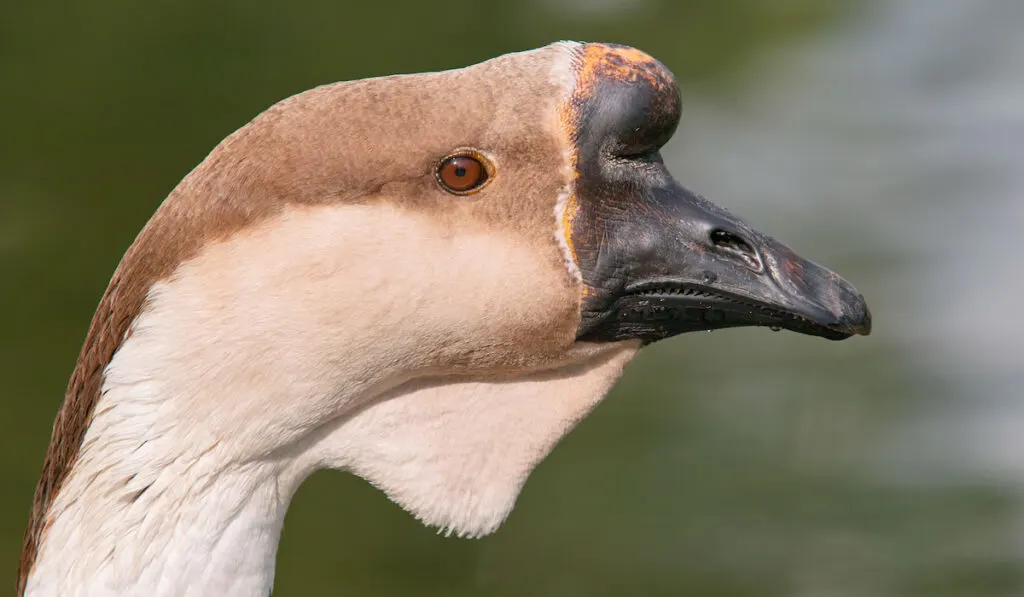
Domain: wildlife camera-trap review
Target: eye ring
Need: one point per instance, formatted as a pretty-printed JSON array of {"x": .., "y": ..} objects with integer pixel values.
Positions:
[{"x": 463, "y": 172}]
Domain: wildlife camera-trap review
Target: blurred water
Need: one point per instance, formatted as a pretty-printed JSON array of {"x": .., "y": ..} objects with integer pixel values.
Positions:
[
  {"x": 902, "y": 137},
  {"x": 892, "y": 150}
]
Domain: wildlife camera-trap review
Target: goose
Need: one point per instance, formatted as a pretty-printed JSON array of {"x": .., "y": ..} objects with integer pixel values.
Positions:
[{"x": 425, "y": 280}]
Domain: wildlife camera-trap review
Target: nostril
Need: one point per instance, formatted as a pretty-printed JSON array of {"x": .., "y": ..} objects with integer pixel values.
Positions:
[{"x": 736, "y": 247}]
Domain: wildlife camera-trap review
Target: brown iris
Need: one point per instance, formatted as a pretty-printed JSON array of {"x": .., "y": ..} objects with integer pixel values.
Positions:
[{"x": 461, "y": 174}]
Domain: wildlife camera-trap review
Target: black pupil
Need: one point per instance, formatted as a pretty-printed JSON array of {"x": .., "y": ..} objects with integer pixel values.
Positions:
[{"x": 460, "y": 171}]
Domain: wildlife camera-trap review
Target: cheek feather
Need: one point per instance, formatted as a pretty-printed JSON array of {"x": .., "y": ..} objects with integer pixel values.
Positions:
[{"x": 565, "y": 212}]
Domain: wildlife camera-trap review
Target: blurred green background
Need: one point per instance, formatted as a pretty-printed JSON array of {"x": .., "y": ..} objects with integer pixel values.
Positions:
[{"x": 882, "y": 138}]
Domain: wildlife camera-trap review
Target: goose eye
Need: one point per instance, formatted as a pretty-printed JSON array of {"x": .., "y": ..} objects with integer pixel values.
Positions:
[{"x": 461, "y": 174}]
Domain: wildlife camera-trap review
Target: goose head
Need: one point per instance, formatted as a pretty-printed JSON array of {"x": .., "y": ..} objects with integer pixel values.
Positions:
[{"x": 426, "y": 280}]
